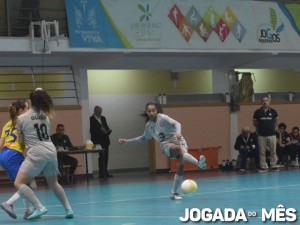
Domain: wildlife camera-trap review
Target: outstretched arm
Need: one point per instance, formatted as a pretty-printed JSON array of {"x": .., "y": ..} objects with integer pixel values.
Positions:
[
  {"x": 122, "y": 141},
  {"x": 144, "y": 137},
  {"x": 133, "y": 140}
]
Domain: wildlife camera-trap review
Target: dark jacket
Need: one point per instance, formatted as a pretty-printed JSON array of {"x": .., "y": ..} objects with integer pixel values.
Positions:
[
  {"x": 99, "y": 132},
  {"x": 251, "y": 143},
  {"x": 63, "y": 141}
]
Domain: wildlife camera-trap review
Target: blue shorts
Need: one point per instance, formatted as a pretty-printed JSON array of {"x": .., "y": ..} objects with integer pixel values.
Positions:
[{"x": 10, "y": 161}]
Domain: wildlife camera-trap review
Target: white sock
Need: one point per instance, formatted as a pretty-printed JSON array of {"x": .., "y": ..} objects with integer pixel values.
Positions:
[
  {"x": 13, "y": 198},
  {"x": 61, "y": 195},
  {"x": 176, "y": 183},
  {"x": 27, "y": 204},
  {"x": 189, "y": 158},
  {"x": 27, "y": 193}
]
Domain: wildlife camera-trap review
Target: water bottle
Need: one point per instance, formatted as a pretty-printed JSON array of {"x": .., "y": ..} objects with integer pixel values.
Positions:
[
  {"x": 291, "y": 95},
  {"x": 253, "y": 97},
  {"x": 164, "y": 99},
  {"x": 223, "y": 163},
  {"x": 227, "y": 97},
  {"x": 159, "y": 99},
  {"x": 269, "y": 96},
  {"x": 233, "y": 163}
]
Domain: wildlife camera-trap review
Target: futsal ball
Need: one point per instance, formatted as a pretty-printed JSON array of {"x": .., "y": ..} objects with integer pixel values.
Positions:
[
  {"x": 89, "y": 145},
  {"x": 189, "y": 186}
]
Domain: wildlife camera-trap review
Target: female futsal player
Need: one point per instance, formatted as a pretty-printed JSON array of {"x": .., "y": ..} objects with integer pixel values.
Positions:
[
  {"x": 11, "y": 156},
  {"x": 167, "y": 132},
  {"x": 33, "y": 128}
]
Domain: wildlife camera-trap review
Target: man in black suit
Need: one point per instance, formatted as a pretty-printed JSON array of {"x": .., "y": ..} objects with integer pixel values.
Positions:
[{"x": 100, "y": 135}]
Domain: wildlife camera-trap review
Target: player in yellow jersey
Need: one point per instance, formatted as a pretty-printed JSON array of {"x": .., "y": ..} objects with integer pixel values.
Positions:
[{"x": 11, "y": 155}]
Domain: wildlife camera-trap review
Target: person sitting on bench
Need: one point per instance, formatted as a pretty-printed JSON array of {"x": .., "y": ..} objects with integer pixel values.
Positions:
[
  {"x": 62, "y": 141},
  {"x": 247, "y": 145}
]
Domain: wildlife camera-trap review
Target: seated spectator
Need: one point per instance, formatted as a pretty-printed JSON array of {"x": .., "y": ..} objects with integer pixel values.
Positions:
[
  {"x": 60, "y": 140},
  {"x": 247, "y": 145},
  {"x": 295, "y": 146},
  {"x": 283, "y": 145}
]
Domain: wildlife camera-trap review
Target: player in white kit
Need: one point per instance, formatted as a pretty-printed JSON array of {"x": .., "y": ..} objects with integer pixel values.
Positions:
[
  {"x": 167, "y": 132},
  {"x": 33, "y": 128}
]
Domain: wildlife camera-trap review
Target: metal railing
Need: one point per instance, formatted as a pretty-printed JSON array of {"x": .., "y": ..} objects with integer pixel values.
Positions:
[
  {"x": 18, "y": 82},
  {"x": 16, "y": 15}
]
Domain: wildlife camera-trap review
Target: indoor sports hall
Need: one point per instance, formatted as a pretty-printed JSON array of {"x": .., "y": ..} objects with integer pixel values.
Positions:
[{"x": 206, "y": 63}]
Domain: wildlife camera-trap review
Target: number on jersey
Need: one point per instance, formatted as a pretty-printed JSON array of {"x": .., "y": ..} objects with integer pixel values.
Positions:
[{"x": 41, "y": 131}]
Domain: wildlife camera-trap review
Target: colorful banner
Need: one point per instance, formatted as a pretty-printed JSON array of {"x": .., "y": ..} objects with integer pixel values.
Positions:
[
  {"x": 88, "y": 26},
  {"x": 190, "y": 24}
]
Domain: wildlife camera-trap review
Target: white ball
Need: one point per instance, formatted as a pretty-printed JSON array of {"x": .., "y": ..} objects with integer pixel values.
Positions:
[
  {"x": 88, "y": 144},
  {"x": 189, "y": 186}
]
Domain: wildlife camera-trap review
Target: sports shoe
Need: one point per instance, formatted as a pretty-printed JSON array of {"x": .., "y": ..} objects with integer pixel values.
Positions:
[
  {"x": 37, "y": 213},
  {"x": 8, "y": 209},
  {"x": 201, "y": 162},
  {"x": 275, "y": 169},
  {"x": 27, "y": 213},
  {"x": 202, "y": 158},
  {"x": 175, "y": 196},
  {"x": 203, "y": 166},
  {"x": 293, "y": 164},
  {"x": 280, "y": 165},
  {"x": 69, "y": 214},
  {"x": 262, "y": 170},
  {"x": 242, "y": 170}
]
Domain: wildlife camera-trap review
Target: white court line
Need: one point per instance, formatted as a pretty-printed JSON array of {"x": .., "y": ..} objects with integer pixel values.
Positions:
[
  {"x": 132, "y": 217},
  {"x": 106, "y": 216},
  {"x": 164, "y": 196},
  {"x": 198, "y": 193}
]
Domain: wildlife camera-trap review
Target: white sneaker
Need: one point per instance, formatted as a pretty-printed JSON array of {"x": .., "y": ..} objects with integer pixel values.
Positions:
[
  {"x": 8, "y": 209},
  {"x": 201, "y": 162},
  {"x": 69, "y": 214},
  {"x": 37, "y": 213},
  {"x": 202, "y": 158},
  {"x": 175, "y": 196}
]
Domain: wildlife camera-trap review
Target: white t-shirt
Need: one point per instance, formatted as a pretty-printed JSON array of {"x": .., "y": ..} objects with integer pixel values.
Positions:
[{"x": 35, "y": 129}]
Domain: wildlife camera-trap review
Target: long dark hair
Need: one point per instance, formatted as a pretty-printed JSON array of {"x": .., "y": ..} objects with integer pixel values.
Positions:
[
  {"x": 41, "y": 100},
  {"x": 14, "y": 108},
  {"x": 157, "y": 106}
]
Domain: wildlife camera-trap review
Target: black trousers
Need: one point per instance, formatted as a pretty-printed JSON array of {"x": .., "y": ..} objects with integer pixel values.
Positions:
[
  {"x": 294, "y": 151},
  {"x": 249, "y": 154},
  {"x": 68, "y": 160},
  {"x": 103, "y": 162}
]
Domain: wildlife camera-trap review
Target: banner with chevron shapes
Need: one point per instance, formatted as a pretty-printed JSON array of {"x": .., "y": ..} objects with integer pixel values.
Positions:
[{"x": 187, "y": 25}]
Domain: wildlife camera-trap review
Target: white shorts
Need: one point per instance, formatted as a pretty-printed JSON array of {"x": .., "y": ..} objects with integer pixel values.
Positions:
[
  {"x": 165, "y": 147},
  {"x": 40, "y": 159}
]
